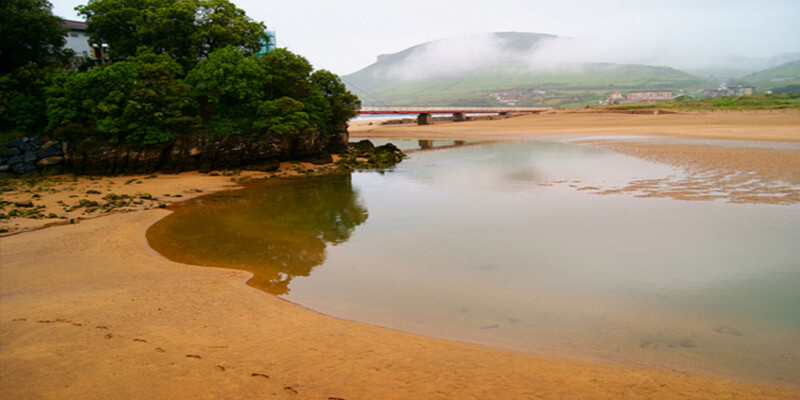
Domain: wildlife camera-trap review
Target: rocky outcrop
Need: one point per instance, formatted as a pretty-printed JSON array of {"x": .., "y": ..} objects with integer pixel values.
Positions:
[
  {"x": 30, "y": 155},
  {"x": 189, "y": 152}
]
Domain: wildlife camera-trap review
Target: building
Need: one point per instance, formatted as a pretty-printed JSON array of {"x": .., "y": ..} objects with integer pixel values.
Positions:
[
  {"x": 742, "y": 91},
  {"x": 726, "y": 92},
  {"x": 650, "y": 95},
  {"x": 270, "y": 44},
  {"x": 78, "y": 42}
]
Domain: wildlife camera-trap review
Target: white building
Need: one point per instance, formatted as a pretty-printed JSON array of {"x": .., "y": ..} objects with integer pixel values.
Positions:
[{"x": 78, "y": 41}]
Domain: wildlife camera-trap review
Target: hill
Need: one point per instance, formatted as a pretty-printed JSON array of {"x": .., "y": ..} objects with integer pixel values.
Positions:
[
  {"x": 503, "y": 68},
  {"x": 775, "y": 79}
]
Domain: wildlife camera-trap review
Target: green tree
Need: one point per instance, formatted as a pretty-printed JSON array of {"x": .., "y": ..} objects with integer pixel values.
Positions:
[
  {"x": 31, "y": 41},
  {"x": 187, "y": 30},
  {"x": 136, "y": 102},
  {"x": 29, "y": 33},
  {"x": 228, "y": 86},
  {"x": 343, "y": 104}
]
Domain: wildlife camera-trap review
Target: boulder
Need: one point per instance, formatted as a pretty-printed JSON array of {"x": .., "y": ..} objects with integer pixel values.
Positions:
[
  {"x": 46, "y": 162},
  {"x": 23, "y": 167},
  {"x": 30, "y": 156}
]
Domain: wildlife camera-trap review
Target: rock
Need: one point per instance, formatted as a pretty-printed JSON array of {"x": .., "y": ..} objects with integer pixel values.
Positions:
[
  {"x": 5, "y": 168},
  {"x": 12, "y": 152},
  {"x": 30, "y": 156},
  {"x": 14, "y": 160},
  {"x": 17, "y": 143},
  {"x": 46, "y": 162},
  {"x": 363, "y": 146},
  {"x": 36, "y": 141},
  {"x": 50, "y": 144},
  {"x": 50, "y": 151},
  {"x": 28, "y": 146},
  {"x": 320, "y": 159},
  {"x": 24, "y": 167}
]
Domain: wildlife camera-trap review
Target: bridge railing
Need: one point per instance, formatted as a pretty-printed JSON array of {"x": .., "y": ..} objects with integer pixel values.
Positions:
[{"x": 449, "y": 110}]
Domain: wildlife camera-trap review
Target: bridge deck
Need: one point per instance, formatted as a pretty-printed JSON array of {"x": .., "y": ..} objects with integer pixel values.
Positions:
[{"x": 449, "y": 110}]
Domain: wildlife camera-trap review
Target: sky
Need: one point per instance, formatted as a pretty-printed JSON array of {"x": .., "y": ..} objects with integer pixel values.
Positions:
[{"x": 344, "y": 36}]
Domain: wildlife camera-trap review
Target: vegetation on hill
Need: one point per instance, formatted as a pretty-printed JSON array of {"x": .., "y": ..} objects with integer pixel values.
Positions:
[
  {"x": 776, "y": 79},
  {"x": 548, "y": 85},
  {"x": 177, "y": 67},
  {"x": 753, "y": 102}
]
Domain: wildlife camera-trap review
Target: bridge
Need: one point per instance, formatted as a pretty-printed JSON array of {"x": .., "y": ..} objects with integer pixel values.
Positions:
[{"x": 425, "y": 114}]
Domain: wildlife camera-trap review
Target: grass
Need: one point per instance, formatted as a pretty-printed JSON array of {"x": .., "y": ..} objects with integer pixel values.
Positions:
[{"x": 754, "y": 102}]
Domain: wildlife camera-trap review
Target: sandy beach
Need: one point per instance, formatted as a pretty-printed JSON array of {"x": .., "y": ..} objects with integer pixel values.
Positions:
[{"x": 89, "y": 311}]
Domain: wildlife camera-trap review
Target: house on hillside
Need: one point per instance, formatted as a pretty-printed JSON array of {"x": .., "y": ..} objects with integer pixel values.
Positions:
[
  {"x": 650, "y": 95},
  {"x": 734, "y": 91},
  {"x": 742, "y": 91},
  {"x": 78, "y": 41}
]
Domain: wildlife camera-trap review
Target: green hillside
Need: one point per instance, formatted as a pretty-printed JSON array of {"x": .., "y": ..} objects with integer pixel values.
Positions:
[
  {"x": 546, "y": 86},
  {"x": 787, "y": 74}
]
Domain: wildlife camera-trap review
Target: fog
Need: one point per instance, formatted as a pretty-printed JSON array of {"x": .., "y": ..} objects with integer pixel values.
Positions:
[
  {"x": 348, "y": 35},
  {"x": 487, "y": 51}
]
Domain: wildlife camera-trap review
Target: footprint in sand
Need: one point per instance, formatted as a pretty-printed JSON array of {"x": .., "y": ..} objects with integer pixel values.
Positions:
[
  {"x": 108, "y": 336},
  {"x": 219, "y": 368},
  {"x": 101, "y": 327},
  {"x": 260, "y": 375},
  {"x": 289, "y": 389},
  {"x": 160, "y": 350},
  {"x": 19, "y": 320},
  {"x": 193, "y": 356},
  {"x": 140, "y": 340}
]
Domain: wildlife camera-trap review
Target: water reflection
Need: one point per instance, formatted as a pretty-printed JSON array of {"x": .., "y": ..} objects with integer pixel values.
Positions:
[{"x": 277, "y": 231}]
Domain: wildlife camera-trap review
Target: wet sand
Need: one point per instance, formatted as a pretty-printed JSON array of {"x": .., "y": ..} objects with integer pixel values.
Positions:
[{"x": 88, "y": 310}]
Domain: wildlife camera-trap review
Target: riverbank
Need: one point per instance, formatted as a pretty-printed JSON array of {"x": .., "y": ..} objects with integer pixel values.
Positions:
[{"x": 90, "y": 311}]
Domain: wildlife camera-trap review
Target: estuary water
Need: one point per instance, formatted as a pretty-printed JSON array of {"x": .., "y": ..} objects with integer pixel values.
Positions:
[{"x": 499, "y": 244}]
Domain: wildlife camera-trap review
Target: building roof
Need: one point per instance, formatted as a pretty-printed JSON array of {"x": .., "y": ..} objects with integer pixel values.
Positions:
[
  {"x": 650, "y": 90},
  {"x": 77, "y": 25}
]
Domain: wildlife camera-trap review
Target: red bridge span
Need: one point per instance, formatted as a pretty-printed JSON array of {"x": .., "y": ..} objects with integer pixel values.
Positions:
[{"x": 425, "y": 114}]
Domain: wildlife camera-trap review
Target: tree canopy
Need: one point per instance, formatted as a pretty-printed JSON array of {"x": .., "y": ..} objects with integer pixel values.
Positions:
[
  {"x": 31, "y": 41},
  {"x": 177, "y": 67},
  {"x": 187, "y": 30}
]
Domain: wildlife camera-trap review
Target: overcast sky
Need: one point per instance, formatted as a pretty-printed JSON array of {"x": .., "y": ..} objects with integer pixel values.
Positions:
[{"x": 346, "y": 35}]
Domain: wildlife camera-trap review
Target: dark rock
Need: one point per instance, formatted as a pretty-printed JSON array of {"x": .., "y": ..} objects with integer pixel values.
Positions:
[
  {"x": 30, "y": 156},
  {"x": 52, "y": 143},
  {"x": 24, "y": 167},
  {"x": 49, "y": 150},
  {"x": 46, "y": 162},
  {"x": 14, "y": 160},
  {"x": 19, "y": 142},
  {"x": 320, "y": 159},
  {"x": 5, "y": 168},
  {"x": 363, "y": 146},
  {"x": 36, "y": 141},
  {"x": 28, "y": 146},
  {"x": 13, "y": 151}
]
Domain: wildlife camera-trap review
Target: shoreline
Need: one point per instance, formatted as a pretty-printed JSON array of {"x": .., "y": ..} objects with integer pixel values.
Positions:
[{"x": 91, "y": 311}]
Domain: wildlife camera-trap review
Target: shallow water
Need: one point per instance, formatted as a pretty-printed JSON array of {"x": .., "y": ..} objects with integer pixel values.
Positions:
[{"x": 495, "y": 243}]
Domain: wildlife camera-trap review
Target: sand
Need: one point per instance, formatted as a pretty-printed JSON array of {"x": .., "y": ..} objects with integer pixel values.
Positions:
[{"x": 89, "y": 311}]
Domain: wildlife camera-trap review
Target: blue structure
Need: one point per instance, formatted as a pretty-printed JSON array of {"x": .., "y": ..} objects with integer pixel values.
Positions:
[{"x": 270, "y": 44}]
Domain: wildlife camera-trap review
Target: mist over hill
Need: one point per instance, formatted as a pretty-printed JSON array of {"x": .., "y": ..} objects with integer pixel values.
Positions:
[{"x": 523, "y": 69}]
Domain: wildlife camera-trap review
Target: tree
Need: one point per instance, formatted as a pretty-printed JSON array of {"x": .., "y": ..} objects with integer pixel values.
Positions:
[
  {"x": 343, "y": 104},
  {"x": 135, "y": 102},
  {"x": 187, "y": 30},
  {"x": 31, "y": 41},
  {"x": 29, "y": 32}
]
